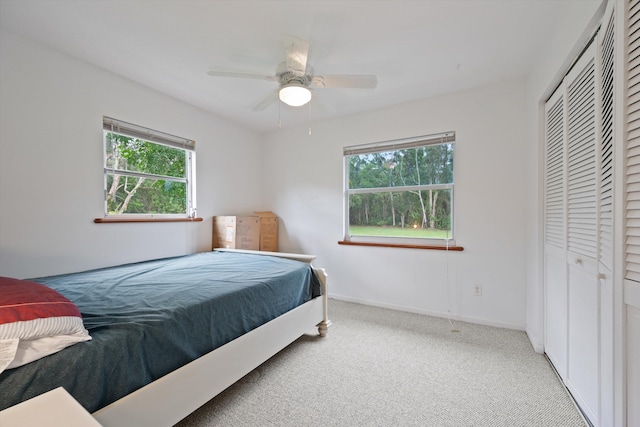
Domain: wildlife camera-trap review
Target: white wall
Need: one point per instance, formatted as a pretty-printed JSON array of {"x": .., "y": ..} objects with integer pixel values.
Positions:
[
  {"x": 558, "y": 54},
  {"x": 302, "y": 183},
  {"x": 51, "y": 181},
  {"x": 500, "y": 227}
]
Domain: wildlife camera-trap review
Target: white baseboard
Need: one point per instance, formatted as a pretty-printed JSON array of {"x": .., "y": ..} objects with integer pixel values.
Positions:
[
  {"x": 442, "y": 314},
  {"x": 537, "y": 345}
]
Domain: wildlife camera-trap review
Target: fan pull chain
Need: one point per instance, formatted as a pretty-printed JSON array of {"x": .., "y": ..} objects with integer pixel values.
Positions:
[
  {"x": 309, "y": 118},
  {"x": 279, "y": 121}
]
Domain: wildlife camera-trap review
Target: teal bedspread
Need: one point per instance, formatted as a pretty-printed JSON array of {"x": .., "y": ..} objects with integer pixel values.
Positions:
[{"x": 150, "y": 318}]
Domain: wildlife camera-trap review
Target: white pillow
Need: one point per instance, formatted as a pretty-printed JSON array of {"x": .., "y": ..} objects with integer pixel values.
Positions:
[{"x": 35, "y": 321}]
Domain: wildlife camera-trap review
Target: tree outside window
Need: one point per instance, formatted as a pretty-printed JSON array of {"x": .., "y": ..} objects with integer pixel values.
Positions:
[
  {"x": 400, "y": 189},
  {"x": 146, "y": 177}
]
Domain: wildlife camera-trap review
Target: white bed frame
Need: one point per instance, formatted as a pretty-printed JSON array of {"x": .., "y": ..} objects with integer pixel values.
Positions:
[{"x": 171, "y": 398}]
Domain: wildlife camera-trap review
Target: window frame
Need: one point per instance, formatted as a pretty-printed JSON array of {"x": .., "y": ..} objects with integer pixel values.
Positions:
[
  {"x": 111, "y": 125},
  {"x": 396, "y": 145}
]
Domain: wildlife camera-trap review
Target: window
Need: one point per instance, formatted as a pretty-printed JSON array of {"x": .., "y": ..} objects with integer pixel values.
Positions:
[
  {"x": 400, "y": 191},
  {"x": 147, "y": 173}
]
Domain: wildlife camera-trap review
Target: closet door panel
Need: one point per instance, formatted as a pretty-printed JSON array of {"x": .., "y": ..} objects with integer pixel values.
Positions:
[
  {"x": 582, "y": 371},
  {"x": 581, "y": 158},
  {"x": 556, "y": 309},
  {"x": 633, "y": 367},
  {"x": 583, "y": 359},
  {"x": 606, "y": 350},
  {"x": 555, "y": 279},
  {"x": 632, "y": 212}
]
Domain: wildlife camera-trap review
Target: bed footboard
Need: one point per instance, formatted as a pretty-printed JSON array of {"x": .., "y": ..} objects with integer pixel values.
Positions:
[{"x": 321, "y": 274}]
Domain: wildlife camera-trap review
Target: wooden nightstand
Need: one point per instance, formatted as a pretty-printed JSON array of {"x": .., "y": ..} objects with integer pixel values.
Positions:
[{"x": 55, "y": 408}]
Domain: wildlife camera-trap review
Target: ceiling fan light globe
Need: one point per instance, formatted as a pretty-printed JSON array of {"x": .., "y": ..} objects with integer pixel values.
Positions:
[{"x": 295, "y": 95}]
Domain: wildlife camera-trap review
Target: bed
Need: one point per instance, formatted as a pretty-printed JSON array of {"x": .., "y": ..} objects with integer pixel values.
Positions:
[{"x": 174, "y": 332}]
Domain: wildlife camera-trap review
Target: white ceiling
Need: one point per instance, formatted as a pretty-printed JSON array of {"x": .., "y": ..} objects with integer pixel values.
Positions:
[{"x": 417, "y": 49}]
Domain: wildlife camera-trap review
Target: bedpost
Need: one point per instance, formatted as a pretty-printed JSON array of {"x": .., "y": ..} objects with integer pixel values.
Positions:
[{"x": 324, "y": 325}]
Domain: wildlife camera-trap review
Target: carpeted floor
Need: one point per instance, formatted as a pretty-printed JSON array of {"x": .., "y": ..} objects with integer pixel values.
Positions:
[{"x": 379, "y": 367}]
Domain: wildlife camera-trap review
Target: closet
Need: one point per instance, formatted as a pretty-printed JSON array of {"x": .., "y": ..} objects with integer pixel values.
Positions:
[
  {"x": 592, "y": 222},
  {"x": 578, "y": 238}
]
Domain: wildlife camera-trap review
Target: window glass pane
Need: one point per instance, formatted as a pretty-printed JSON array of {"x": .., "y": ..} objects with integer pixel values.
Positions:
[
  {"x": 152, "y": 196},
  {"x": 415, "y": 214},
  {"x": 428, "y": 165},
  {"x": 132, "y": 154}
]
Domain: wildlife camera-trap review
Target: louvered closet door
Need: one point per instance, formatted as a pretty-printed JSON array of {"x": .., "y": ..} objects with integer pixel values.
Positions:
[
  {"x": 605, "y": 168},
  {"x": 606, "y": 54},
  {"x": 581, "y": 163},
  {"x": 582, "y": 236},
  {"x": 633, "y": 148},
  {"x": 578, "y": 218},
  {"x": 555, "y": 233},
  {"x": 632, "y": 212}
]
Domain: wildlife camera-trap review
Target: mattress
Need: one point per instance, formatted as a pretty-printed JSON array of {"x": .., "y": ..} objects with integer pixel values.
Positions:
[{"x": 150, "y": 318}]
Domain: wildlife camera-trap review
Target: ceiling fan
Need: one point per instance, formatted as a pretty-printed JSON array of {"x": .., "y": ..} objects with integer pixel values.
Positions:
[{"x": 295, "y": 77}]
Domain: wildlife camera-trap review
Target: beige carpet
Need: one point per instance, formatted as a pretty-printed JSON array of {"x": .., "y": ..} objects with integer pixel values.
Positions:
[{"x": 380, "y": 367}]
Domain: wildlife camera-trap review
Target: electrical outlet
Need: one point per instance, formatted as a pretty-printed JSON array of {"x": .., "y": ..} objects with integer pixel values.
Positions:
[{"x": 477, "y": 290}]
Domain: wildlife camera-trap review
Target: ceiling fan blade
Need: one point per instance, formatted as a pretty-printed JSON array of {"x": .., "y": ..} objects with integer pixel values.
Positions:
[
  {"x": 266, "y": 101},
  {"x": 218, "y": 73},
  {"x": 297, "y": 51},
  {"x": 359, "y": 81}
]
